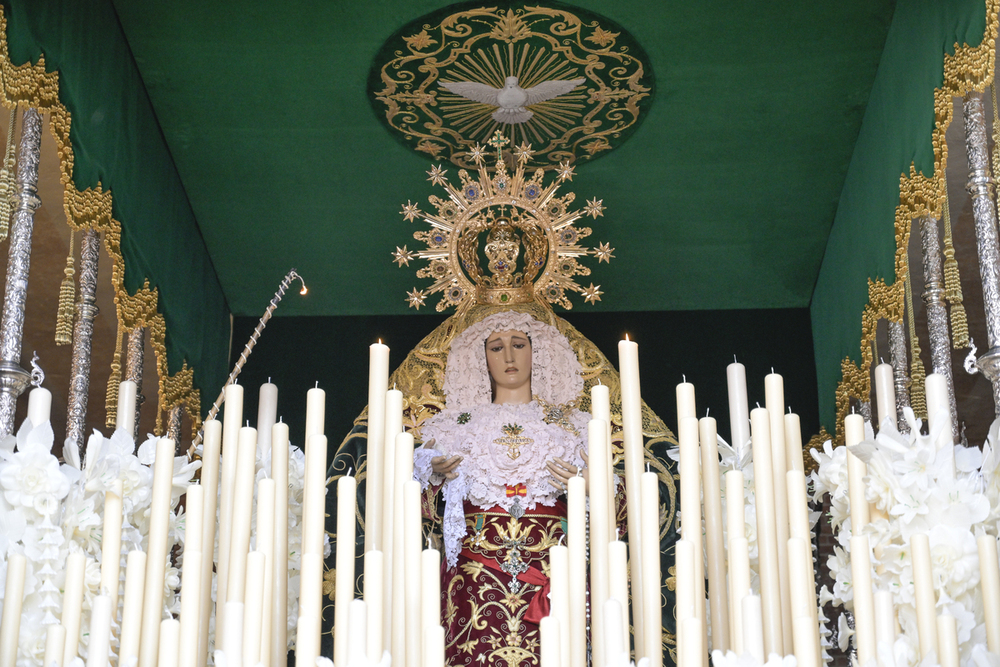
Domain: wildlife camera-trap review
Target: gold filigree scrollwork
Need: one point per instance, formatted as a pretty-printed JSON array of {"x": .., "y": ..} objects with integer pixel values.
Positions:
[
  {"x": 969, "y": 69},
  {"x": 30, "y": 85},
  {"x": 536, "y": 44}
]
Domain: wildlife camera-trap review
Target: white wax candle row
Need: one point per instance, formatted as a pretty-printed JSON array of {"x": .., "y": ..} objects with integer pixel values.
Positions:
[{"x": 783, "y": 619}]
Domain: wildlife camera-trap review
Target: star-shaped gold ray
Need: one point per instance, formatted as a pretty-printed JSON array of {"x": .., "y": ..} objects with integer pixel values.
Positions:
[
  {"x": 410, "y": 212},
  {"x": 416, "y": 298},
  {"x": 478, "y": 154},
  {"x": 403, "y": 256},
  {"x": 594, "y": 208},
  {"x": 523, "y": 152},
  {"x": 565, "y": 171},
  {"x": 603, "y": 252},
  {"x": 437, "y": 175},
  {"x": 592, "y": 294}
]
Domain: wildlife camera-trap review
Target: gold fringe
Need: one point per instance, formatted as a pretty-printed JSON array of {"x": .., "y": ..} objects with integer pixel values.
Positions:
[
  {"x": 64, "y": 316},
  {"x": 918, "y": 376},
  {"x": 7, "y": 178},
  {"x": 953, "y": 282},
  {"x": 111, "y": 404}
]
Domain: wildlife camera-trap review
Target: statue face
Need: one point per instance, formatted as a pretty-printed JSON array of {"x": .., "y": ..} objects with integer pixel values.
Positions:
[{"x": 508, "y": 358}]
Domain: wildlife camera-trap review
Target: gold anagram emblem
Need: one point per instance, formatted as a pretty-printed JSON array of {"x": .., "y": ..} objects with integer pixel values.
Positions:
[{"x": 513, "y": 440}]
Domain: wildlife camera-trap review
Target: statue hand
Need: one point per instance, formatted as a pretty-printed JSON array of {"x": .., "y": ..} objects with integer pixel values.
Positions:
[
  {"x": 563, "y": 470},
  {"x": 442, "y": 465}
]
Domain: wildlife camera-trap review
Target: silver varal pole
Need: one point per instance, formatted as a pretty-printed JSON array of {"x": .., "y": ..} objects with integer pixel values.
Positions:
[
  {"x": 980, "y": 187},
  {"x": 13, "y": 378},
  {"x": 900, "y": 380},
  {"x": 83, "y": 334},
  {"x": 174, "y": 425},
  {"x": 134, "y": 359},
  {"x": 937, "y": 312}
]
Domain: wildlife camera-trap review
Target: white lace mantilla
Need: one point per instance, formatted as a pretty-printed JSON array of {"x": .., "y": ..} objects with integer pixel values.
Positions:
[{"x": 489, "y": 466}]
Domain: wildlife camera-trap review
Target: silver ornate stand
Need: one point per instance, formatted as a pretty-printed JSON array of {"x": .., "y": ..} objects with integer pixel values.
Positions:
[
  {"x": 13, "y": 378},
  {"x": 901, "y": 383},
  {"x": 174, "y": 426},
  {"x": 134, "y": 358},
  {"x": 937, "y": 313},
  {"x": 83, "y": 334},
  {"x": 980, "y": 187}
]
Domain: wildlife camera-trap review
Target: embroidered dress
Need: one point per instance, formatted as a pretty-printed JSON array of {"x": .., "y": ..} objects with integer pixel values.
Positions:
[{"x": 500, "y": 517}]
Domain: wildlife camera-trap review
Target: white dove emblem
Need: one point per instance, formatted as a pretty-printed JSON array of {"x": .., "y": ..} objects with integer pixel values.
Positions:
[{"x": 512, "y": 99}]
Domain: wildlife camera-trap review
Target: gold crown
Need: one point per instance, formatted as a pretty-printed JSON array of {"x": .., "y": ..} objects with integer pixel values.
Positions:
[{"x": 532, "y": 246}]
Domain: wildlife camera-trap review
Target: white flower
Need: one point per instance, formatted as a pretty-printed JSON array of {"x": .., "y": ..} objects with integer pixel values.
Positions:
[{"x": 32, "y": 478}]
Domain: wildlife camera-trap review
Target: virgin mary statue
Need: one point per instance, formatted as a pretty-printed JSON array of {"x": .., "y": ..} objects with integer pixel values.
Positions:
[{"x": 498, "y": 398}]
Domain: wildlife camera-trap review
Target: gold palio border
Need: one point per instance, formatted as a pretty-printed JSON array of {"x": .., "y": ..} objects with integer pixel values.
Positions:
[
  {"x": 971, "y": 69},
  {"x": 30, "y": 85}
]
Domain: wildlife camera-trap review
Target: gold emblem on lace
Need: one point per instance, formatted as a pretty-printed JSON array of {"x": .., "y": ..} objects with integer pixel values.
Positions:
[{"x": 513, "y": 440}]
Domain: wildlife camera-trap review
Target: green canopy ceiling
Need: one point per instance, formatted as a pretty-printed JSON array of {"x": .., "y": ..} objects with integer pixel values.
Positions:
[{"x": 722, "y": 198}]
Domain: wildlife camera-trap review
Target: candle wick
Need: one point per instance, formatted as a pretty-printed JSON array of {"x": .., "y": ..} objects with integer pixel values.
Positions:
[
  {"x": 618, "y": 534},
  {"x": 772, "y": 370},
  {"x": 317, "y": 384},
  {"x": 349, "y": 471},
  {"x": 599, "y": 382},
  {"x": 758, "y": 405},
  {"x": 626, "y": 336},
  {"x": 684, "y": 378},
  {"x": 707, "y": 410},
  {"x": 561, "y": 538},
  {"x": 789, "y": 409},
  {"x": 734, "y": 359},
  {"x": 269, "y": 379},
  {"x": 281, "y": 420},
  {"x": 881, "y": 360},
  {"x": 248, "y": 423},
  {"x": 647, "y": 467}
]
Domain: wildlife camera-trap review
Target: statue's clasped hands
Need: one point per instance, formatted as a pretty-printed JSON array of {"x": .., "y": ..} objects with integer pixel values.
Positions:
[{"x": 443, "y": 465}]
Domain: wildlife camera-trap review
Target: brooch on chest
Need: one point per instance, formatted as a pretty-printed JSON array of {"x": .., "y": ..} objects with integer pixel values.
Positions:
[{"x": 513, "y": 440}]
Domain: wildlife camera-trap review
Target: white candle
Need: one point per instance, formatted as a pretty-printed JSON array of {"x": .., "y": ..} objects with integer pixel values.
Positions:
[
  {"x": 169, "y": 640},
  {"x": 767, "y": 538},
  {"x": 310, "y": 604},
  {"x": 685, "y": 401},
  {"x": 231, "y": 422},
  {"x": 923, "y": 584},
  {"x": 989, "y": 572},
  {"x": 713, "y": 534},
  {"x": 279, "y": 567},
  {"x": 798, "y": 515},
  {"x": 939, "y": 408},
  {"x": 684, "y": 556},
  {"x": 378, "y": 384},
  {"x": 393, "y": 427},
  {"x": 253, "y": 608},
  {"x": 411, "y": 570},
  {"x": 793, "y": 442},
  {"x": 739, "y": 415},
  {"x": 947, "y": 630},
  {"x": 99, "y": 643},
  {"x": 357, "y": 634},
  {"x": 735, "y": 527},
  {"x": 347, "y": 489},
  {"x": 306, "y": 640},
  {"x": 618, "y": 581},
  {"x": 550, "y": 653},
  {"x": 404, "y": 473},
  {"x": 39, "y": 406},
  {"x": 651, "y": 608},
  {"x": 600, "y": 408},
  {"x": 315, "y": 412},
  {"x": 111, "y": 544},
  {"x": 614, "y": 649},
  {"x": 210, "y": 484},
  {"x": 628, "y": 364},
  {"x": 190, "y": 628},
  {"x": 885, "y": 394},
  {"x": 576, "y": 541},
  {"x": 232, "y": 644},
  {"x": 690, "y": 471},
  {"x": 806, "y": 646},
  {"x": 265, "y": 544},
  {"x": 373, "y": 596},
  {"x": 73, "y": 604},
  {"x": 559, "y": 593},
  {"x": 802, "y": 599},
  {"x": 739, "y": 576},
  {"x": 599, "y": 537},
  {"x": 430, "y": 584},
  {"x": 267, "y": 415},
  {"x": 156, "y": 563},
  {"x": 885, "y": 619},
  {"x": 13, "y": 598},
  {"x": 135, "y": 579},
  {"x": 774, "y": 397},
  {"x": 314, "y": 495},
  {"x": 55, "y": 642},
  {"x": 239, "y": 545},
  {"x": 434, "y": 647},
  {"x": 692, "y": 633},
  {"x": 125, "y": 420},
  {"x": 753, "y": 631},
  {"x": 854, "y": 433}
]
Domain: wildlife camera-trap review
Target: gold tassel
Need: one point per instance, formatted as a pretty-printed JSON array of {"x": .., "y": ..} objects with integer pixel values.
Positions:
[
  {"x": 918, "y": 376},
  {"x": 953, "y": 284},
  {"x": 111, "y": 404},
  {"x": 7, "y": 178},
  {"x": 64, "y": 316}
]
